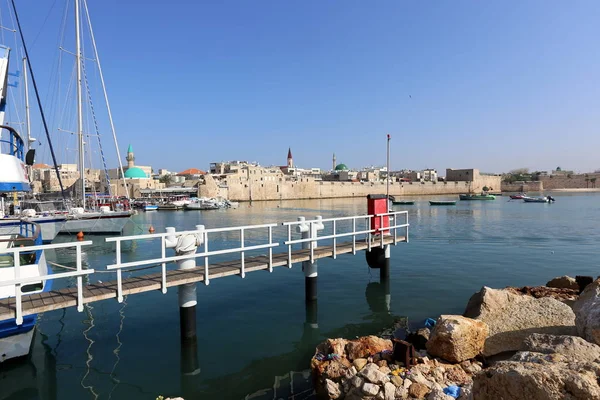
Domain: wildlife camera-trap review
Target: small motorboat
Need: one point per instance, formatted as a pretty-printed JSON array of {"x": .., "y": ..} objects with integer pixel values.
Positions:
[
  {"x": 150, "y": 207},
  {"x": 482, "y": 196},
  {"x": 547, "y": 199},
  {"x": 442, "y": 202},
  {"x": 519, "y": 196},
  {"x": 403, "y": 202}
]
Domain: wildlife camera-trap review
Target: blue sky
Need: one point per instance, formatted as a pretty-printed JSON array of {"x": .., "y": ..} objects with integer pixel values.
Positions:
[{"x": 490, "y": 85}]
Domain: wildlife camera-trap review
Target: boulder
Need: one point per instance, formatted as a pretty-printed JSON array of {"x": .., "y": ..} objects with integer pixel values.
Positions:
[
  {"x": 567, "y": 296},
  {"x": 370, "y": 389},
  {"x": 372, "y": 374},
  {"x": 587, "y": 312},
  {"x": 456, "y": 338},
  {"x": 366, "y": 346},
  {"x": 511, "y": 317},
  {"x": 359, "y": 363},
  {"x": 334, "y": 390},
  {"x": 401, "y": 393},
  {"x": 457, "y": 375},
  {"x": 396, "y": 380},
  {"x": 438, "y": 394},
  {"x": 563, "y": 282},
  {"x": 513, "y": 380},
  {"x": 573, "y": 348},
  {"x": 389, "y": 391},
  {"x": 336, "y": 346},
  {"x": 418, "y": 390}
]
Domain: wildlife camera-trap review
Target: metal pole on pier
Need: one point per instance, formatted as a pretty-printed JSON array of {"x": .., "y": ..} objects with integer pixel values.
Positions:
[{"x": 387, "y": 174}]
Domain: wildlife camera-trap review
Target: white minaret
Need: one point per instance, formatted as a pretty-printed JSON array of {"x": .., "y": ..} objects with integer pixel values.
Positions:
[
  {"x": 333, "y": 167},
  {"x": 130, "y": 158},
  {"x": 290, "y": 160}
]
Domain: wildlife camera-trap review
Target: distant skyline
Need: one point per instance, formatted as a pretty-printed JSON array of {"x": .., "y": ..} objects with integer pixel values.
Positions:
[{"x": 488, "y": 85}]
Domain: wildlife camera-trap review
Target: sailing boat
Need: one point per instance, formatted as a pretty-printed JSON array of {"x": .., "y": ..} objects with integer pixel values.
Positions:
[
  {"x": 14, "y": 212},
  {"x": 86, "y": 218}
]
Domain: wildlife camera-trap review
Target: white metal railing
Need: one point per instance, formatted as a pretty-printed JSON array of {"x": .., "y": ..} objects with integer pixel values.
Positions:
[
  {"x": 206, "y": 253},
  {"x": 19, "y": 281},
  {"x": 313, "y": 236}
]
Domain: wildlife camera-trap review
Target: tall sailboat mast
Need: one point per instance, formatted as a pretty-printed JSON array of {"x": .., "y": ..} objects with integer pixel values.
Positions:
[
  {"x": 30, "y": 140},
  {"x": 79, "y": 104}
]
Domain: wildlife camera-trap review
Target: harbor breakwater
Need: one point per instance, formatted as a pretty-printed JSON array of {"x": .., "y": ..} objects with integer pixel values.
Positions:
[{"x": 535, "y": 343}]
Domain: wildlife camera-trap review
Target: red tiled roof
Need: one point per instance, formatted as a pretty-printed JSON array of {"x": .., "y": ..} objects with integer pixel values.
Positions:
[
  {"x": 192, "y": 171},
  {"x": 41, "y": 166}
]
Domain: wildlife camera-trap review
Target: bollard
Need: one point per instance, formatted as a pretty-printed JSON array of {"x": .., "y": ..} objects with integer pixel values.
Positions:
[
  {"x": 184, "y": 245},
  {"x": 309, "y": 230}
]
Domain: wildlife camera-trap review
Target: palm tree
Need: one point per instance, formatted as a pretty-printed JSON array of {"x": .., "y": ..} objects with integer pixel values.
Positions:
[
  {"x": 593, "y": 180},
  {"x": 587, "y": 182}
]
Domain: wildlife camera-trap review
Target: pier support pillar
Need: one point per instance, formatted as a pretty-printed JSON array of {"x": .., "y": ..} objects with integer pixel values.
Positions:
[
  {"x": 186, "y": 245},
  {"x": 309, "y": 230},
  {"x": 384, "y": 271}
]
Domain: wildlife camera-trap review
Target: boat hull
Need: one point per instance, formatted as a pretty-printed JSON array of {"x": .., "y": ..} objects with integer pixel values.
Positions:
[
  {"x": 97, "y": 223},
  {"x": 16, "y": 345},
  {"x": 50, "y": 226},
  {"x": 476, "y": 197},
  {"x": 403, "y": 203},
  {"x": 150, "y": 208},
  {"x": 442, "y": 203}
]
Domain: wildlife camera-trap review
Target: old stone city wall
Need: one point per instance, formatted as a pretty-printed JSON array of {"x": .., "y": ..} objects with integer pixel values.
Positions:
[
  {"x": 528, "y": 186},
  {"x": 245, "y": 190},
  {"x": 575, "y": 181}
]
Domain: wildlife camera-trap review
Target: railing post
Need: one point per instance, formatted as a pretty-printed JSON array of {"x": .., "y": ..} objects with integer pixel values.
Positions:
[
  {"x": 163, "y": 254},
  {"x": 289, "y": 246},
  {"x": 119, "y": 273},
  {"x": 206, "y": 277},
  {"x": 369, "y": 232},
  {"x": 242, "y": 256},
  {"x": 334, "y": 240},
  {"x": 79, "y": 278},
  {"x": 270, "y": 249},
  {"x": 18, "y": 304},
  {"x": 354, "y": 236}
]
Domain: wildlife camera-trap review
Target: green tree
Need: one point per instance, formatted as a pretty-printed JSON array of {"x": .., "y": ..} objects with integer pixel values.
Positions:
[
  {"x": 166, "y": 179},
  {"x": 587, "y": 182},
  {"x": 593, "y": 180}
]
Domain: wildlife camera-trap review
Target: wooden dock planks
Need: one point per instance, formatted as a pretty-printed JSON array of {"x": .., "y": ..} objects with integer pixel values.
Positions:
[{"x": 63, "y": 298}]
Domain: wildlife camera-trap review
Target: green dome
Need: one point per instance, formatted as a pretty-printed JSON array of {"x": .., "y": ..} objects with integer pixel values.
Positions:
[
  {"x": 341, "y": 167},
  {"x": 135, "y": 172}
]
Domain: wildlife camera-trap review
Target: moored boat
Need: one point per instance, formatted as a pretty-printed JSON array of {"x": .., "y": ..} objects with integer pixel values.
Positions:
[
  {"x": 442, "y": 202},
  {"x": 15, "y": 340},
  {"x": 519, "y": 196},
  {"x": 150, "y": 207},
  {"x": 403, "y": 202},
  {"x": 482, "y": 196},
  {"x": 547, "y": 199}
]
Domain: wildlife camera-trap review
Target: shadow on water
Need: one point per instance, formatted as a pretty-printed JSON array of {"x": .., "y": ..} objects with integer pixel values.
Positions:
[{"x": 285, "y": 376}]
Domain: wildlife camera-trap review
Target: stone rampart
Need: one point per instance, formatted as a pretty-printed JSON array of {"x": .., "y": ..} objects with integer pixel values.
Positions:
[
  {"x": 523, "y": 187},
  {"x": 246, "y": 190}
]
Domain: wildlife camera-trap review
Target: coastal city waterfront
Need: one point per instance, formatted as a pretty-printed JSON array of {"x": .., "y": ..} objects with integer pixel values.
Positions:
[{"x": 252, "y": 332}]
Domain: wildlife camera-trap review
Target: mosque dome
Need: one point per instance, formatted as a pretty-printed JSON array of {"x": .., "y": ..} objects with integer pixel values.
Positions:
[
  {"x": 341, "y": 167},
  {"x": 135, "y": 173}
]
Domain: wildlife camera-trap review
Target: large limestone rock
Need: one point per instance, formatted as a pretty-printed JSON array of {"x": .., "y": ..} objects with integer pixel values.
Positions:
[
  {"x": 563, "y": 282},
  {"x": 511, "y": 317},
  {"x": 587, "y": 311},
  {"x": 456, "y": 338},
  {"x": 572, "y": 348},
  {"x": 367, "y": 346},
  {"x": 513, "y": 380}
]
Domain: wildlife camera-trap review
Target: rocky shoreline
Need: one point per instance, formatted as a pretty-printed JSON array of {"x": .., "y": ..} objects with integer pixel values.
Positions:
[{"x": 512, "y": 343}]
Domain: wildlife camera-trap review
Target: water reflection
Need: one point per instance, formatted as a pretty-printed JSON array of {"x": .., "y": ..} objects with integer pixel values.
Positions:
[{"x": 33, "y": 377}]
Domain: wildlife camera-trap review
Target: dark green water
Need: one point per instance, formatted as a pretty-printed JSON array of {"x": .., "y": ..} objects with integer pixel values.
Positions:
[{"x": 252, "y": 333}]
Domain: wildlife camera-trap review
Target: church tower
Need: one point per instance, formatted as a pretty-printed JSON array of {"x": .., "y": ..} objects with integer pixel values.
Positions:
[
  {"x": 130, "y": 158},
  {"x": 290, "y": 160}
]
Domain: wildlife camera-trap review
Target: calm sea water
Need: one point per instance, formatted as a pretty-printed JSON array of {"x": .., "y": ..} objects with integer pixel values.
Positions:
[{"x": 253, "y": 339}]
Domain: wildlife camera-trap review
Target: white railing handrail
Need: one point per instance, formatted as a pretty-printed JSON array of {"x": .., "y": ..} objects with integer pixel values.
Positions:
[
  {"x": 343, "y": 218},
  {"x": 188, "y": 256},
  {"x": 190, "y": 232},
  {"x": 19, "y": 281},
  {"x": 339, "y": 235},
  {"x": 44, "y": 247}
]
